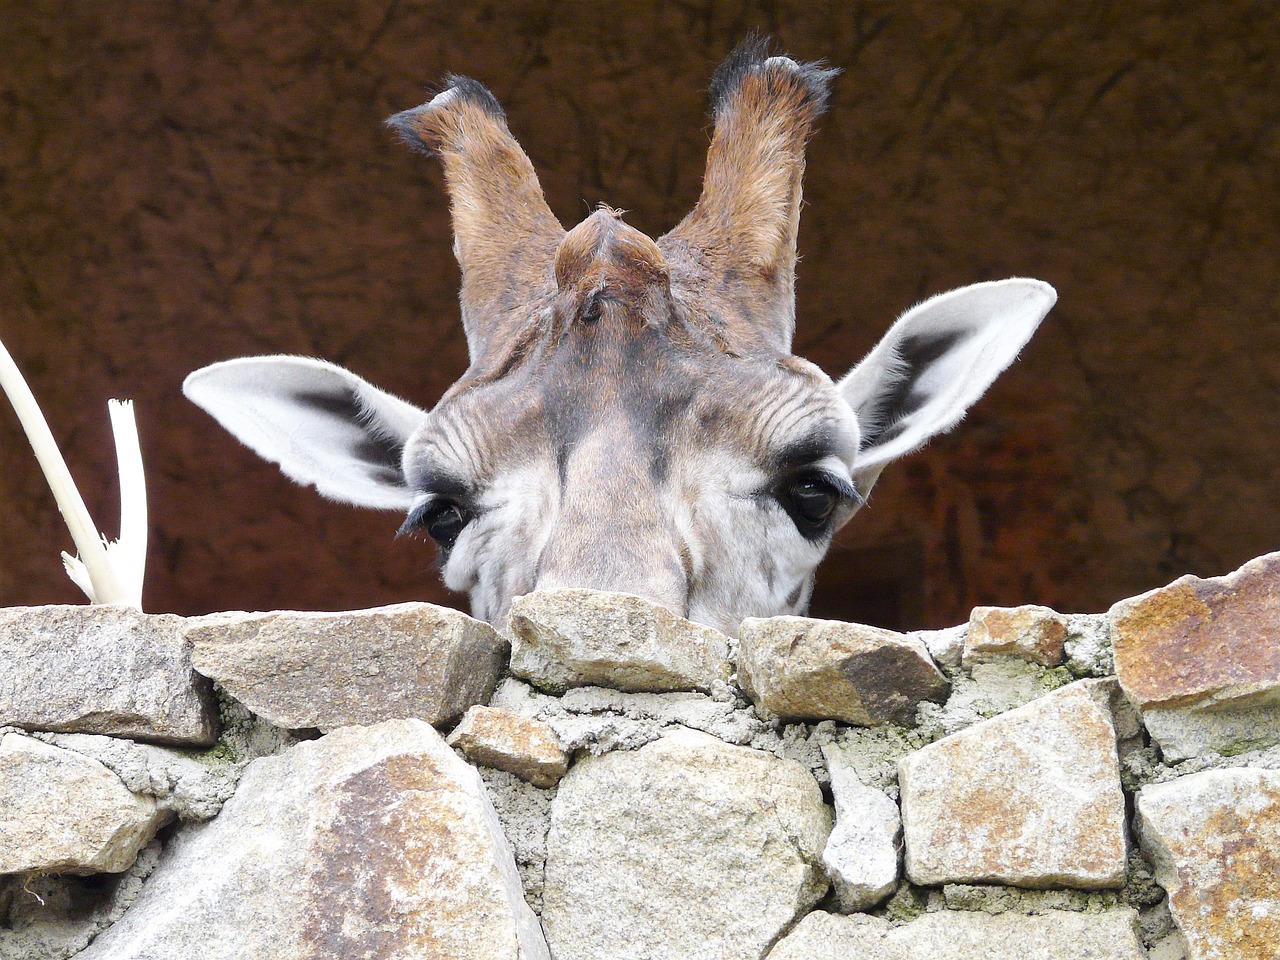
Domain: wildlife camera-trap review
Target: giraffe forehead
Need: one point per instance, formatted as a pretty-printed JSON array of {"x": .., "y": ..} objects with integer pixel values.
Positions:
[{"x": 643, "y": 409}]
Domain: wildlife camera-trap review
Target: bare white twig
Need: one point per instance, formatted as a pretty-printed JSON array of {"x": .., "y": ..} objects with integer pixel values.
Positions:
[{"x": 106, "y": 572}]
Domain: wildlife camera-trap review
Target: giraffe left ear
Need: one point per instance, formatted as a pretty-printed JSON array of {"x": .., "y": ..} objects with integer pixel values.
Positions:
[
  {"x": 934, "y": 363},
  {"x": 323, "y": 425}
]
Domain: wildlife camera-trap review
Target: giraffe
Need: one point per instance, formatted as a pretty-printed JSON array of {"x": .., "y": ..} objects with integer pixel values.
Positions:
[{"x": 632, "y": 418}]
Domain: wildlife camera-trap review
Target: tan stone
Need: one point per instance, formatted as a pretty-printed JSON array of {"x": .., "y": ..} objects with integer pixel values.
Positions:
[
  {"x": 369, "y": 842},
  {"x": 953, "y": 935},
  {"x": 102, "y": 669},
  {"x": 573, "y": 638},
  {"x": 1214, "y": 838},
  {"x": 328, "y": 670},
  {"x": 1204, "y": 642},
  {"x": 686, "y": 849},
  {"x": 804, "y": 669},
  {"x": 64, "y": 813},
  {"x": 507, "y": 741},
  {"x": 1030, "y": 798},
  {"x": 1030, "y": 632}
]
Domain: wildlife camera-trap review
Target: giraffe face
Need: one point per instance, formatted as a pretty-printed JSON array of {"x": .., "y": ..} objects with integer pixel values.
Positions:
[
  {"x": 632, "y": 419},
  {"x": 622, "y": 449}
]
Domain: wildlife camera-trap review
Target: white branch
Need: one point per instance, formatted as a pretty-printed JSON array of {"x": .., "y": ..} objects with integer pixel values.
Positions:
[{"x": 107, "y": 573}]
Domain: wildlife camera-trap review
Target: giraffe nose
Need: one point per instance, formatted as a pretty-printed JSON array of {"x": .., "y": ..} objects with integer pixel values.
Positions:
[{"x": 601, "y": 565}]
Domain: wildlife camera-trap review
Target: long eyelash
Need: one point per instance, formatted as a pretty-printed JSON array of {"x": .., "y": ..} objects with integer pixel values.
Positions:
[
  {"x": 413, "y": 522},
  {"x": 844, "y": 487}
]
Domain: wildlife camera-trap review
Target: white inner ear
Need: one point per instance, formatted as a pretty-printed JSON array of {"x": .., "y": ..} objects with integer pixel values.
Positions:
[
  {"x": 936, "y": 361},
  {"x": 323, "y": 425}
]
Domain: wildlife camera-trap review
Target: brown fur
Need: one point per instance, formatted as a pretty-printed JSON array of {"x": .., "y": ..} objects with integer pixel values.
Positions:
[
  {"x": 738, "y": 246},
  {"x": 505, "y": 235}
]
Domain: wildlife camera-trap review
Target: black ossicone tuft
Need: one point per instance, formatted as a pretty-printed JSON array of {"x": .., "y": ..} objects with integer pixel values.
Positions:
[
  {"x": 747, "y": 55},
  {"x": 750, "y": 55},
  {"x": 476, "y": 92},
  {"x": 409, "y": 125}
]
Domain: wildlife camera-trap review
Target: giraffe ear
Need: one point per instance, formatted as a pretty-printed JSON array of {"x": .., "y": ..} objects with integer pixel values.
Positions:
[
  {"x": 934, "y": 363},
  {"x": 322, "y": 425}
]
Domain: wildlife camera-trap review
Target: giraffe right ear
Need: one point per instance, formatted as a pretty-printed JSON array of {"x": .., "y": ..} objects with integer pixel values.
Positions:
[
  {"x": 323, "y": 425},
  {"x": 934, "y": 363}
]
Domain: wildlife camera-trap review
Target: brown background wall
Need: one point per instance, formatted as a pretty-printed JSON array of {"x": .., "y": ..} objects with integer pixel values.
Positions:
[{"x": 181, "y": 183}]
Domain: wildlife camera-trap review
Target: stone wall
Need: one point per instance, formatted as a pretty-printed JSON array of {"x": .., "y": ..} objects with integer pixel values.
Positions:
[
  {"x": 182, "y": 183},
  {"x": 606, "y": 780}
]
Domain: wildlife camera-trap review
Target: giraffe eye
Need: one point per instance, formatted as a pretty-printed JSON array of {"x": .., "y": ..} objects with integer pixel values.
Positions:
[
  {"x": 811, "y": 500},
  {"x": 443, "y": 521}
]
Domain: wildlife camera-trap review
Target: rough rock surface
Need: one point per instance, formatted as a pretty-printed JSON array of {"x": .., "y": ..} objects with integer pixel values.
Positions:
[
  {"x": 525, "y": 814},
  {"x": 946, "y": 646},
  {"x": 985, "y": 691},
  {"x": 1028, "y": 632},
  {"x": 503, "y": 740},
  {"x": 572, "y": 638},
  {"x": 64, "y": 813},
  {"x": 1215, "y": 840},
  {"x": 1030, "y": 798},
  {"x": 1186, "y": 732},
  {"x": 371, "y": 841},
  {"x": 1209, "y": 648},
  {"x": 687, "y": 849},
  {"x": 191, "y": 785},
  {"x": 804, "y": 669},
  {"x": 102, "y": 669},
  {"x": 54, "y": 917},
  {"x": 329, "y": 670},
  {"x": 965, "y": 936},
  {"x": 863, "y": 852}
]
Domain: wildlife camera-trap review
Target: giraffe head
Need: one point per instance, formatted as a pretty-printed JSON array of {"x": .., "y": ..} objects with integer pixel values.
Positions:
[{"x": 632, "y": 418}]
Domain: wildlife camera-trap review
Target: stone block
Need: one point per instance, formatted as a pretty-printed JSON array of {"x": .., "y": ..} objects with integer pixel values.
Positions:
[
  {"x": 803, "y": 669},
  {"x": 1203, "y": 658},
  {"x": 102, "y": 669},
  {"x": 506, "y": 741},
  {"x": 863, "y": 853},
  {"x": 328, "y": 670},
  {"x": 573, "y": 638},
  {"x": 1030, "y": 798},
  {"x": 369, "y": 842},
  {"x": 686, "y": 849},
  {"x": 1197, "y": 639},
  {"x": 1032, "y": 633},
  {"x": 64, "y": 813},
  {"x": 1214, "y": 838},
  {"x": 955, "y": 935}
]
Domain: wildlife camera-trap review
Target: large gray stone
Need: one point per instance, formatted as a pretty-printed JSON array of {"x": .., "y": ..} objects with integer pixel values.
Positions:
[
  {"x": 955, "y": 935},
  {"x": 328, "y": 670},
  {"x": 574, "y": 638},
  {"x": 803, "y": 669},
  {"x": 1030, "y": 798},
  {"x": 64, "y": 813},
  {"x": 687, "y": 849},
  {"x": 1214, "y": 838},
  {"x": 369, "y": 842},
  {"x": 102, "y": 669}
]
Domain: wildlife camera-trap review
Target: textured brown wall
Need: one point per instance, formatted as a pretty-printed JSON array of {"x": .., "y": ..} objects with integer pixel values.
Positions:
[{"x": 182, "y": 183}]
